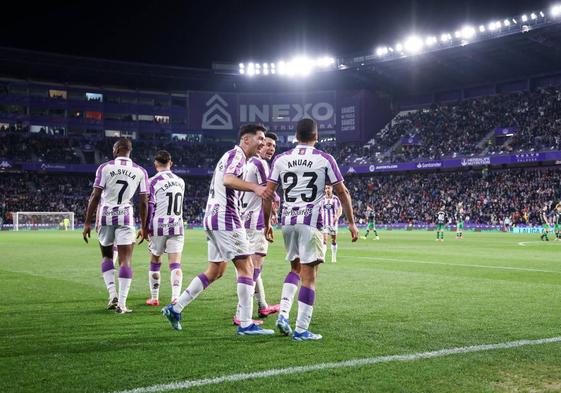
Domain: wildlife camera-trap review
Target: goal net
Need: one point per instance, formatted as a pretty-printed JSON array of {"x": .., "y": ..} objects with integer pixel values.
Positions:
[{"x": 31, "y": 221}]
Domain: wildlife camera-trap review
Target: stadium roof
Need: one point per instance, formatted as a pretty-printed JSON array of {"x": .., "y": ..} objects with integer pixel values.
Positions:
[{"x": 517, "y": 56}]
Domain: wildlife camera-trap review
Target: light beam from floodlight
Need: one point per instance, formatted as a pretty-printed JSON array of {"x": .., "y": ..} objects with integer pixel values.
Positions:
[
  {"x": 413, "y": 44},
  {"x": 468, "y": 32}
]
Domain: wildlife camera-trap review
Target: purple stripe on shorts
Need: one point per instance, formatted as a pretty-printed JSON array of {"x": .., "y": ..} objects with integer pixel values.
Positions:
[
  {"x": 104, "y": 216},
  {"x": 292, "y": 278},
  {"x": 307, "y": 295},
  {"x": 214, "y": 219},
  {"x": 308, "y": 218},
  {"x": 260, "y": 220},
  {"x": 115, "y": 217},
  {"x": 294, "y": 216},
  {"x": 127, "y": 216},
  {"x": 256, "y": 273},
  {"x": 171, "y": 226},
  {"x": 125, "y": 272},
  {"x": 245, "y": 280},
  {"x": 160, "y": 228},
  {"x": 106, "y": 265},
  {"x": 173, "y": 266},
  {"x": 155, "y": 267},
  {"x": 203, "y": 279}
]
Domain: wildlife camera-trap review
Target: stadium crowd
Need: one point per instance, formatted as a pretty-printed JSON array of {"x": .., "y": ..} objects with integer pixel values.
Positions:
[{"x": 487, "y": 196}]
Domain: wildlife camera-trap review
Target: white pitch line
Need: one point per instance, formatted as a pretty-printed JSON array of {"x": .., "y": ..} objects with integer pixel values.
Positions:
[
  {"x": 524, "y": 269},
  {"x": 523, "y": 244},
  {"x": 344, "y": 364}
]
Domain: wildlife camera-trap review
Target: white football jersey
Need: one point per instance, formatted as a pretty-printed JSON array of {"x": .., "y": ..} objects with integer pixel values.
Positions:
[
  {"x": 166, "y": 204},
  {"x": 222, "y": 209},
  {"x": 302, "y": 174},
  {"x": 119, "y": 179},
  {"x": 257, "y": 171}
]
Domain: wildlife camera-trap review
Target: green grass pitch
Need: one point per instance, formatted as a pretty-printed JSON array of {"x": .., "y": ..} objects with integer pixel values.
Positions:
[{"x": 404, "y": 294}]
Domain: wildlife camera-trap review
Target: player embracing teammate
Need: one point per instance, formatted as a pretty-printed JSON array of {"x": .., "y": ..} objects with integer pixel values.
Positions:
[
  {"x": 227, "y": 237},
  {"x": 302, "y": 174}
]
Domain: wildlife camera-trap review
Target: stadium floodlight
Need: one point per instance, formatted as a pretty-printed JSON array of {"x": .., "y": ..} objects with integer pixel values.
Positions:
[
  {"x": 258, "y": 66},
  {"x": 481, "y": 28},
  {"x": 273, "y": 71},
  {"x": 445, "y": 37},
  {"x": 542, "y": 14},
  {"x": 555, "y": 10},
  {"x": 413, "y": 44},
  {"x": 266, "y": 71},
  {"x": 399, "y": 47},
  {"x": 257, "y": 71},
  {"x": 524, "y": 18},
  {"x": 514, "y": 21},
  {"x": 468, "y": 32},
  {"x": 458, "y": 34},
  {"x": 242, "y": 71},
  {"x": 506, "y": 23},
  {"x": 265, "y": 65},
  {"x": 272, "y": 65},
  {"x": 381, "y": 51},
  {"x": 325, "y": 61},
  {"x": 242, "y": 65},
  {"x": 533, "y": 16},
  {"x": 430, "y": 41}
]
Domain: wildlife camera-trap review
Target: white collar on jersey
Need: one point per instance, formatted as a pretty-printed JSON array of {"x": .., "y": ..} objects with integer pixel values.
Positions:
[
  {"x": 299, "y": 146},
  {"x": 123, "y": 158}
]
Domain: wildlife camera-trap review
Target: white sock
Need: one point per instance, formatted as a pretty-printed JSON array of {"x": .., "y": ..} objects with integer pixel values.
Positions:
[
  {"x": 289, "y": 289},
  {"x": 260, "y": 293},
  {"x": 324, "y": 248},
  {"x": 125, "y": 279},
  {"x": 108, "y": 272},
  {"x": 246, "y": 287},
  {"x": 124, "y": 286},
  {"x": 197, "y": 285},
  {"x": 154, "y": 280},
  {"x": 304, "y": 316},
  {"x": 306, "y": 298},
  {"x": 176, "y": 279},
  {"x": 333, "y": 252}
]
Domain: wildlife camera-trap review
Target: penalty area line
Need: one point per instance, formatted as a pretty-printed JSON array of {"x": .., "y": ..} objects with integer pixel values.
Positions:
[{"x": 187, "y": 384}]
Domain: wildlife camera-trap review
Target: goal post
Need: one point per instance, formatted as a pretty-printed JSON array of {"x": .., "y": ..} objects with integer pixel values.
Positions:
[{"x": 43, "y": 220}]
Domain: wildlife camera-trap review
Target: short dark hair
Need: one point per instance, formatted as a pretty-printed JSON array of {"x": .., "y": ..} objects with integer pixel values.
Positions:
[
  {"x": 123, "y": 144},
  {"x": 306, "y": 130},
  {"x": 251, "y": 129},
  {"x": 271, "y": 135},
  {"x": 163, "y": 157}
]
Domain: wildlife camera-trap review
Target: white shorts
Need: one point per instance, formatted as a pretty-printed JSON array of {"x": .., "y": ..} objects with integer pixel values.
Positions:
[
  {"x": 121, "y": 235},
  {"x": 331, "y": 230},
  {"x": 304, "y": 242},
  {"x": 169, "y": 243},
  {"x": 227, "y": 245},
  {"x": 257, "y": 241}
]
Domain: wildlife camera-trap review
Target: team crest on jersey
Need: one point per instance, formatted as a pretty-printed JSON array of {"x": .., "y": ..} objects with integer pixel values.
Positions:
[{"x": 302, "y": 151}]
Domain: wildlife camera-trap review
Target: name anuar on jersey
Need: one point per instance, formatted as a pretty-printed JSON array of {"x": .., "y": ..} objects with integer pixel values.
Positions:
[{"x": 300, "y": 162}]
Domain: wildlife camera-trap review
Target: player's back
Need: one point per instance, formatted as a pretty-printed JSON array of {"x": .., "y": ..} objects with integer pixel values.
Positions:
[
  {"x": 166, "y": 195},
  {"x": 302, "y": 174},
  {"x": 119, "y": 179}
]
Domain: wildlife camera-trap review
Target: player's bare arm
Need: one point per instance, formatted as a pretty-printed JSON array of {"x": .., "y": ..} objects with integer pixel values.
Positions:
[
  {"x": 268, "y": 210},
  {"x": 235, "y": 183},
  {"x": 93, "y": 202},
  {"x": 343, "y": 193},
  {"x": 143, "y": 209}
]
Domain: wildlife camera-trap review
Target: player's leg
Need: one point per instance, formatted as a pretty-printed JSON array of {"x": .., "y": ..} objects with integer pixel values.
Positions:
[
  {"x": 306, "y": 298},
  {"x": 325, "y": 237},
  {"x": 333, "y": 247},
  {"x": 106, "y": 237},
  {"x": 174, "y": 248},
  {"x": 154, "y": 279},
  {"x": 156, "y": 248},
  {"x": 367, "y": 231},
  {"x": 376, "y": 233},
  {"x": 125, "y": 276}
]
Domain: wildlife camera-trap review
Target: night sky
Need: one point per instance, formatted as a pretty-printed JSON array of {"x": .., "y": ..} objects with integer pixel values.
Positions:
[{"x": 195, "y": 33}]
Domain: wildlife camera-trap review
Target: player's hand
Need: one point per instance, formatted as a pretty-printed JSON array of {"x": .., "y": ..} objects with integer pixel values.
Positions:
[
  {"x": 142, "y": 235},
  {"x": 269, "y": 233},
  {"x": 274, "y": 218},
  {"x": 86, "y": 232},
  {"x": 354, "y": 232},
  {"x": 263, "y": 192}
]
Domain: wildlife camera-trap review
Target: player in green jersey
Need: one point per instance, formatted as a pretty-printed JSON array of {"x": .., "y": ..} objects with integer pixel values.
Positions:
[{"x": 371, "y": 216}]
